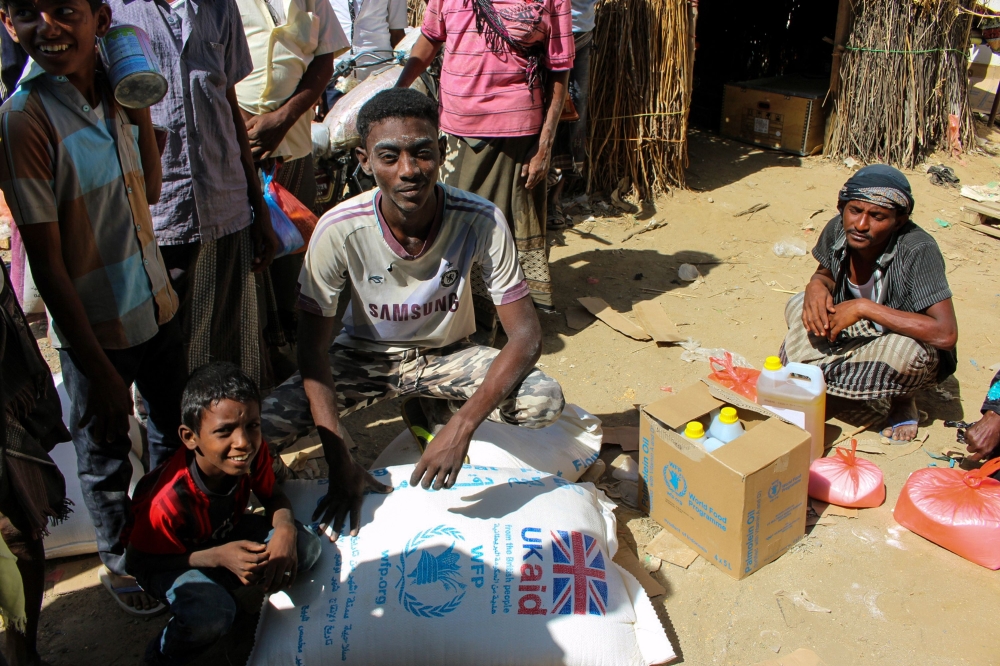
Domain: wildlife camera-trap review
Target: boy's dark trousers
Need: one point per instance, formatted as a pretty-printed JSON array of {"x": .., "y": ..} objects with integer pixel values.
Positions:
[
  {"x": 158, "y": 367},
  {"x": 201, "y": 600}
]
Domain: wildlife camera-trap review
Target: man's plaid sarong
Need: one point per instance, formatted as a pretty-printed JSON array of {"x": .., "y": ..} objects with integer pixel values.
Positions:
[{"x": 863, "y": 363}]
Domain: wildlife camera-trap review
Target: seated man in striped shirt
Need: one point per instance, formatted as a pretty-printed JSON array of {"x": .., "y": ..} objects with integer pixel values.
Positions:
[
  {"x": 405, "y": 255},
  {"x": 877, "y": 314}
]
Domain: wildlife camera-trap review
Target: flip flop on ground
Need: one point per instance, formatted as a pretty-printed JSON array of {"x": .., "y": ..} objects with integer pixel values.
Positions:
[{"x": 105, "y": 576}]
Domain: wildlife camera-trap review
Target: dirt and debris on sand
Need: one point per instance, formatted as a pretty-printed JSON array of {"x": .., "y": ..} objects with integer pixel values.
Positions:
[{"x": 893, "y": 597}]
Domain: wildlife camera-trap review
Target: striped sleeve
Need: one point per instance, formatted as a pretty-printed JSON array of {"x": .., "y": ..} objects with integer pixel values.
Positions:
[
  {"x": 925, "y": 276},
  {"x": 823, "y": 252},
  {"x": 239, "y": 63},
  {"x": 497, "y": 255},
  {"x": 26, "y": 172},
  {"x": 433, "y": 27},
  {"x": 561, "y": 48}
]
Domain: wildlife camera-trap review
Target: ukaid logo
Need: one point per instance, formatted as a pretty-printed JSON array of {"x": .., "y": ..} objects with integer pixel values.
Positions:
[
  {"x": 430, "y": 582},
  {"x": 579, "y": 586}
]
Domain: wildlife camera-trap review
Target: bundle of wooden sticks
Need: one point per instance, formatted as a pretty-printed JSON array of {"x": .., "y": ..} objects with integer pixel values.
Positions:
[
  {"x": 640, "y": 94},
  {"x": 903, "y": 79}
]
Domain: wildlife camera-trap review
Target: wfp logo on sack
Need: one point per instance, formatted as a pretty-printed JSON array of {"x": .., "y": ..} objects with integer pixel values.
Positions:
[
  {"x": 676, "y": 483},
  {"x": 430, "y": 582}
]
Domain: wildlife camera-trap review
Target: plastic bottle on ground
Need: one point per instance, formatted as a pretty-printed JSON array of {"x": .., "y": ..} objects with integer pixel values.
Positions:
[
  {"x": 726, "y": 425},
  {"x": 796, "y": 393}
]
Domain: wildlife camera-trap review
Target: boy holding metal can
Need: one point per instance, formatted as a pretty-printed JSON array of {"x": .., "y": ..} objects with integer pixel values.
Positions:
[{"x": 79, "y": 173}]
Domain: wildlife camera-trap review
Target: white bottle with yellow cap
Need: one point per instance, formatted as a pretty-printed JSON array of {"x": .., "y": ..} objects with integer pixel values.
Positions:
[
  {"x": 695, "y": 432},
  {"x": 726, "y": 425},
  {"x": 797, "y": 393}
]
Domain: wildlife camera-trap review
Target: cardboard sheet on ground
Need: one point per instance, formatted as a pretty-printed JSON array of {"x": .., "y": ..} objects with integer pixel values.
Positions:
[
  {"x": 669, "y": 548},
  {"x": 578, "y": 318},
  {"x": 507, "y": 567},
  {"x": 984, "y": 77},
  {"x": 600, "y": 309},
  {"x": 627, "y": 560},
  {"x": 890, "y": 451},
  {"x": 627, "y": 437},
  {"x": 566, "y": 448},
  {"x": 652, "y": 317}
]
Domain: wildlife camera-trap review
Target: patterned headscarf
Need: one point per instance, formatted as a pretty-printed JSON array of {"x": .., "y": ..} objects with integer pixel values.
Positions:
[{"x": 881, "y": 185}]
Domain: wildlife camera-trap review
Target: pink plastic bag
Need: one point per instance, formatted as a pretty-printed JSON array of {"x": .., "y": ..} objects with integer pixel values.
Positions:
[
  {"x": 738, "y": 380},
  {"x": 955, "y": 509},
  {"x": 846, "y": 480},
  {"x": 953, "y": 141}
]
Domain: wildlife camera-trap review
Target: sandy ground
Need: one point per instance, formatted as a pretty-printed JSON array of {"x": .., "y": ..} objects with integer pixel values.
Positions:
[{"x": 894, "y": 597}]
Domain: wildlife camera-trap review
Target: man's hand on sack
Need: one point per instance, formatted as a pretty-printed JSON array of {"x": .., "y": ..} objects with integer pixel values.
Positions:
[
  {"x": 443, "y": 458},
  {"x": 348, "y": 483},
  {"x": 983, "y": 437}
]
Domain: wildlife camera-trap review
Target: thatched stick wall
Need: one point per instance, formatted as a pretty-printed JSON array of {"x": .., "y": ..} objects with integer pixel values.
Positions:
[
  {"x": 640, "y": 94},
  {"x": 903, "y": 73}
]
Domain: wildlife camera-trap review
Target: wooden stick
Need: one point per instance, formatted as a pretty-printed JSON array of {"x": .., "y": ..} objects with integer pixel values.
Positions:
[{"x": 856, "y": 431}]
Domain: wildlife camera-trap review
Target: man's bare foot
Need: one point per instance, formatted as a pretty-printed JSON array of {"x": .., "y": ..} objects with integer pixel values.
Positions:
[
  {"x": 902, "y": 419},
  {"x": 126, "y": 588}
]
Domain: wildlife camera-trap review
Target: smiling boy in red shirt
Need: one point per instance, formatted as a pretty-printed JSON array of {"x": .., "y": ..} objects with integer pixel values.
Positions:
[{"x": 190, "y": 542}]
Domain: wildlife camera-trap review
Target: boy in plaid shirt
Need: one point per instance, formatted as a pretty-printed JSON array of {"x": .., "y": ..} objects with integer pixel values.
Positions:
[{"x": 79, "y": 172}]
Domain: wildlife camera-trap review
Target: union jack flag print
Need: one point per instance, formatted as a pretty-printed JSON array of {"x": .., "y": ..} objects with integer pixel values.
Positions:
[{"x": 578, "y": 578}]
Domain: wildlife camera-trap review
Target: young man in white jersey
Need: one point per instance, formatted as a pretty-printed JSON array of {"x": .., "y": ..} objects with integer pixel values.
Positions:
[{"x": 408, "y": 249}]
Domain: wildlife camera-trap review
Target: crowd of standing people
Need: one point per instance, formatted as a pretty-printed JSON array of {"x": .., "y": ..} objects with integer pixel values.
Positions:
[{"x": 151, "y": 244}]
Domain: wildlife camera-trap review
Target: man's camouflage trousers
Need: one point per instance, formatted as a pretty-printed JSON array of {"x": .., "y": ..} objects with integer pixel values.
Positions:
[{"x": 365, "y": 377}]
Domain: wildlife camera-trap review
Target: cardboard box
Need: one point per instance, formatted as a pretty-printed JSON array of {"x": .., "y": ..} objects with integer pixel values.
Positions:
[
  {"x": 984, "y": 77},
  {"x": 785, "y": 113},
  {"x": 742, "y": 505}
]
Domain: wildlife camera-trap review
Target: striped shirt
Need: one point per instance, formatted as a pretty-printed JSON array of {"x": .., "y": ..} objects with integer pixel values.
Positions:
[
  {"x": 401, "y": 301},
  {"x": 65, "y": 164},
  {"x": 487, "y": 95},
  {"x": 909, "y": 274},
  {"x": 202, "y": 51}
]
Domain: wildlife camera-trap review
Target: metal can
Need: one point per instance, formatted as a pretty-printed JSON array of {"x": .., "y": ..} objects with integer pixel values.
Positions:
[{"x": 132, "y": 68}]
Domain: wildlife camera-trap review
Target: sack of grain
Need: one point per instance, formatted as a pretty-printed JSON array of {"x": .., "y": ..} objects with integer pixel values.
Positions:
[
  {"x": 566, "y": 448},
  {"x": 509, "y": 566}
]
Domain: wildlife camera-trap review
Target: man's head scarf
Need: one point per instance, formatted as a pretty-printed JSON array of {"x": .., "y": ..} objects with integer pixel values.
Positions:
[{"x": 881, "y": 185}]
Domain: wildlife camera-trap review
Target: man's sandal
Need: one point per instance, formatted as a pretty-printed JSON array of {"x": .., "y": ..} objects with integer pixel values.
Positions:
[
  {"x": 105, "y": 577},
  {"x": 892, "y": 427}
]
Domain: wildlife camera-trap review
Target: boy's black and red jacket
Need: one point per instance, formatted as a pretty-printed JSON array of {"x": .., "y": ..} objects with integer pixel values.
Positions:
[{"x": 174, "y": 513}]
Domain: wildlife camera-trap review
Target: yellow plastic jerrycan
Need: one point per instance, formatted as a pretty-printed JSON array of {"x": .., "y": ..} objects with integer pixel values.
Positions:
[{"x": 797, "y": 393}]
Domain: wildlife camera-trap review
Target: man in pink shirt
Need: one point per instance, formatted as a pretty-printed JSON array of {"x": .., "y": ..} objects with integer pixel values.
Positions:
[{"x": 503, "y": 83}]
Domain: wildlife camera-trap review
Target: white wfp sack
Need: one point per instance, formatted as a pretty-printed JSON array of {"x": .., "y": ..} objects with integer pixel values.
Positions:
[
  {"x": 566, "y": 448},
  {"x": 507, "y": 567},
  {"x": 75, "y": 535}
]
